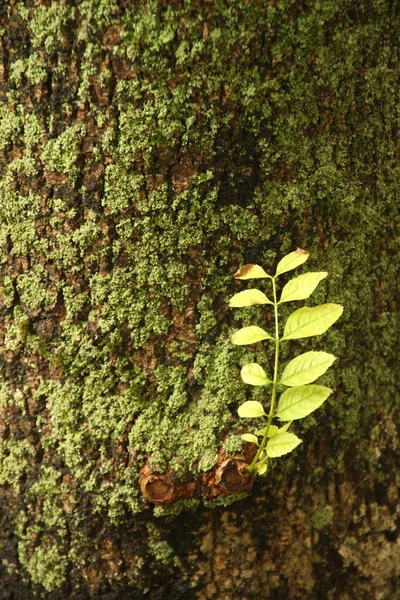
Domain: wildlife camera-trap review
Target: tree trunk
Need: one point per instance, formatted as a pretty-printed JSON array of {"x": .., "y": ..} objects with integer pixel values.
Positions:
[{"x": 147, "y": 150}]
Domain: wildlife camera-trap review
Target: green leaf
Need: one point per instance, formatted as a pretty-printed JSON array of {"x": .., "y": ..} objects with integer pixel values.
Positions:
[
  {"x": 250, "y": 410},
  {"x": 251, "y": 272},
  {"x": 273, "y": 430},
  {"x": 253, "y": 374},
  {"x": 306, "y": 322},
  {"x": 282, "y": 443},
  {"x": 285, "y": 427},
  {"x": 306, "y": 368},
  {"x": 249, "y": 437},
  {"x": 249, "y": 335},
  {"x": 298, "y": 402},
  {"x": 248, "y": 298},
  {"x": 291, "y": 261},
  {"x": 261, "y": 468},
  {"x": 262, "y": 431},
  {"x": 301, "y": 287}
]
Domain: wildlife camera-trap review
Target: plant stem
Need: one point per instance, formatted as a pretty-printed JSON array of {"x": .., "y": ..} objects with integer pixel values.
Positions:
[{"x": 274, "y": 383}]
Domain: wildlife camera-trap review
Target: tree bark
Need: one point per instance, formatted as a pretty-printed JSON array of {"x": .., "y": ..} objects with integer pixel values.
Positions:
[{"x": 147, "y": 150}]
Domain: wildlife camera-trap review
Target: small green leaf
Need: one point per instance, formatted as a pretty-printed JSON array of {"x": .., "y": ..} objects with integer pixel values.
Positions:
[
  {"x": 273, "y": 430},
  {"x": 250, "y": 410},
  {"x": 306, "y": 322},
  {"x": 249, "y": 437},
  {"x": 298, "y": 402},
  {"x": 282, "y": 443},
  {"x": 262, "y": 431},
  {"x": 291, "y": 261},
  {"x": 261, "y": 468},
  {"x": 251, "y": 272},
  {"x": 248, "y": 298},
  {"x": 301, "y": 287},
  {"x": 285, "y": 427},
  {"x": 306, "y": 368},
  {"x": 249, "y": 335},
  {"x": 253, "y": 374}
]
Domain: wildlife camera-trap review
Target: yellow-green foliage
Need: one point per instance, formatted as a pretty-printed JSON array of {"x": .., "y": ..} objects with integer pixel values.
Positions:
[{"x": 146, "y": 152}]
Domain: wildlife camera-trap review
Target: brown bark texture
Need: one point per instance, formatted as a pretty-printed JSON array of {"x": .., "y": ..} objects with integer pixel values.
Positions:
[{"x": 148, "y": 149}]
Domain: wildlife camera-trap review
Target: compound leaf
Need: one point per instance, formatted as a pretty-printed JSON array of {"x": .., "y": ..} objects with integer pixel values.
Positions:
[
  {"x": 306, "y": 368},
  {"x": 298, "y": 402},
  {"x": 282, "y": 443},
  {"x": 248, "y": 298},
  {"x": 253, "y": 374},
  {"x": 301, "y": 287},
  {"x": 291, "y": 261},
  {"x": 249, "y": 335},
  {"x": 306, "y": 322}
]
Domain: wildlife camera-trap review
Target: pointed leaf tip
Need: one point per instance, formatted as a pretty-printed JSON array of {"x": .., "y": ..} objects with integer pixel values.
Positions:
[
  {"x": 249, "y": 335},
  {"x": 248, "y": 298},
  {"x": 250, "y": 410},
  {"x": 254, "y": 374},
  {"x": 281, "y": 444},
  {"x": 306, "y": 368},
  {"x": 250, "y": 272},
  {"x": 306, "y": 321},
  {"x": 249, "y": 437},
  {"x": 299, "y": 402},
  {"x": 291, "y": 261},
  {"x": 301, "y": 287}
]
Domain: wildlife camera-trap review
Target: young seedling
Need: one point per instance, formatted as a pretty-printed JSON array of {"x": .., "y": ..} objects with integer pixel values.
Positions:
[{"x": 301, "y": 398}]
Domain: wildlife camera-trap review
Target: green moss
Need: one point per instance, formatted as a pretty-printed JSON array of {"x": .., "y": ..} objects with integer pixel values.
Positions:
[
  {"x": 61, "y": 153},
  {"x": 322, "y": 518},
  {"x": 73, "y": 302},
  {"x": 121, "y": 301},
  {"x": 121, "y": 189},
  {"x": 226, "y": 501},
  {"x": 68, "y": 249},
  {"x": 17, "y": 332},
  {"x": 160, "y": 548},
  {"x": 7, "y": 291},
  {"x": 25, "y": 165},
  {"x": 14, "y": 459},
  {"x": 169, "y": 512},
  {"x": 17, "y": 214},
  {"x": 10, "y": 126},
  {"x": 33, "y": 67},
  {"x": 207, "y": 318},
  {"x": 206, "y": 145},
  {"x": 4, "y": 395},
  {"x": 98, "y": 14},
  {"x": 195, "y": 434},
  {"x": 233, "y": 444},
  {"x": 32, "y": 288},
  {"x": 45, "y": 565},
  {"x": 48, "y": 25}
]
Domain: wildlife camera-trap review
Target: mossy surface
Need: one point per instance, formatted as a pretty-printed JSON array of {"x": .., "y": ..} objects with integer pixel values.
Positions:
[{"x": 146, "y": 151}]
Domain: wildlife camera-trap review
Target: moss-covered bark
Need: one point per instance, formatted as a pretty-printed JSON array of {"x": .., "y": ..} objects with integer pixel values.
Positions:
[{"x": 147, "y": 149}]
